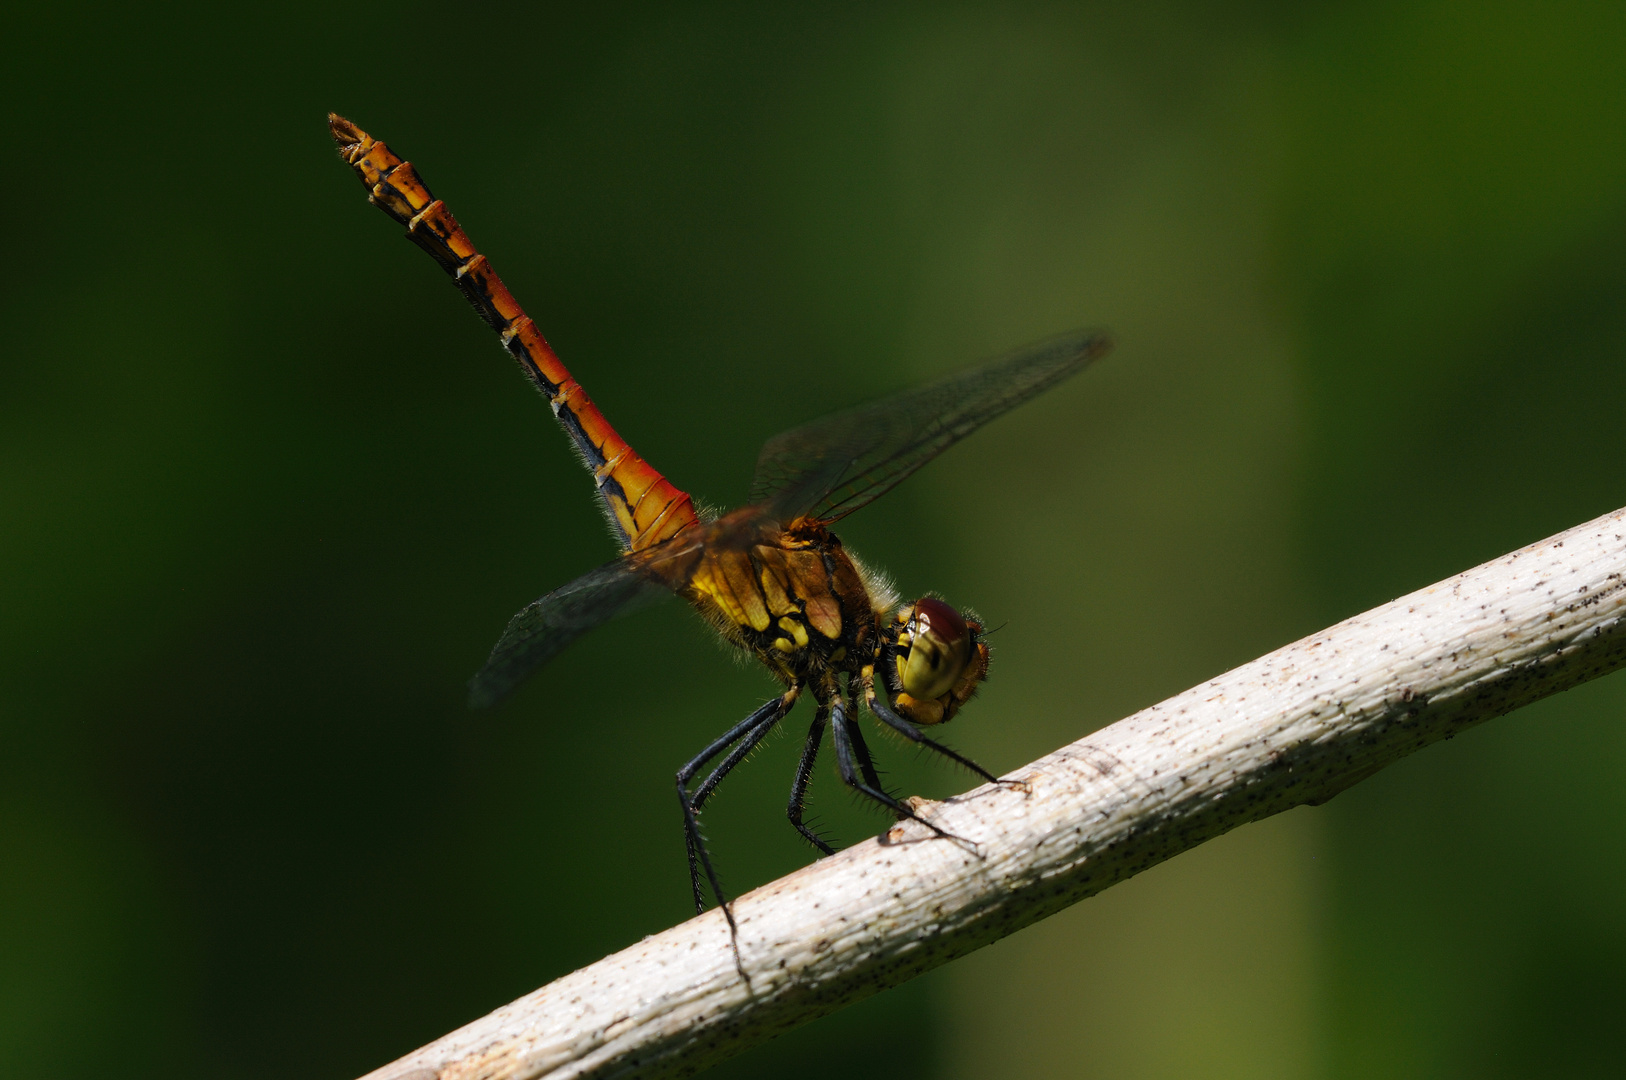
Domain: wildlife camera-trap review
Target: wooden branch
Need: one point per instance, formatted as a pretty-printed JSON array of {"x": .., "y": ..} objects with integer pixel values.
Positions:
[{"x": 1296, "y": 726}]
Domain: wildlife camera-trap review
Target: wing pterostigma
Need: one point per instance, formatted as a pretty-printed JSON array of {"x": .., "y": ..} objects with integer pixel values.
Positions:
[{"x": 834, "y": 465}]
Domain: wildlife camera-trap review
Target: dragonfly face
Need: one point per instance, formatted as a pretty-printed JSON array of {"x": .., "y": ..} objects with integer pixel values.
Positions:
[
  {"x": 938, "y": 660},
  {"x": 771, "y": 577}
]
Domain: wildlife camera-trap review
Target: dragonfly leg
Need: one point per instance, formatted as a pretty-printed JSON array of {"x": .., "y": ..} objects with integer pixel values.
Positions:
[
  {"x": 751, "y": 729},
  {"x": 866, "y": 764},
  {"x": 735, "y": 756},
  {"x": 884, "y": 713},
  {"x": 804, "y": 776},
  {"x": 841, "y": 730}
]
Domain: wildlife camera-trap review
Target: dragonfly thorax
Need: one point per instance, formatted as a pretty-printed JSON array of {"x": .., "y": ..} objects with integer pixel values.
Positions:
[
  {"x": 792, "y": 596},
  {"x": 809, "y": 611}
]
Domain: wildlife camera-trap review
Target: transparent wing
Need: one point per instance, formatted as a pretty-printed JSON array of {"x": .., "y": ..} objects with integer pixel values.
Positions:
[
  {"x": 832, "y": 466},
  {"x": 542, "y": 629}
]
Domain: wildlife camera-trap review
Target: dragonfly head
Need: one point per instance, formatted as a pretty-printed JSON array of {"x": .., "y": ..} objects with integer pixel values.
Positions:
[{"x": 938, "y": 658}]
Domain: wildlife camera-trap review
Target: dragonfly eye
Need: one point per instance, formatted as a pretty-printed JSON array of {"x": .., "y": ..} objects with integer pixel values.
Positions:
[{"x": 940, "y": 648}]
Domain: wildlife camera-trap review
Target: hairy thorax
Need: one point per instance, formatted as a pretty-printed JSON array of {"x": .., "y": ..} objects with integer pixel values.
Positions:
[{"x": 793, "y": 597}]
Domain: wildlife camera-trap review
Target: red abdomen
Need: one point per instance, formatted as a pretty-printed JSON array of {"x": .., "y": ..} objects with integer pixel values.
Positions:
[{"x": 642, "y": 506}]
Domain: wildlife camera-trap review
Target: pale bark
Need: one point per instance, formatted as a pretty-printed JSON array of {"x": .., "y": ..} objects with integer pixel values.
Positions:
[{"x": 1296, "y": 726}]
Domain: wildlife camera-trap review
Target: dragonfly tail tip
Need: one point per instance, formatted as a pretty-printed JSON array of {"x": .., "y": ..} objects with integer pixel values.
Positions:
[{"x": 345, "y": 134}]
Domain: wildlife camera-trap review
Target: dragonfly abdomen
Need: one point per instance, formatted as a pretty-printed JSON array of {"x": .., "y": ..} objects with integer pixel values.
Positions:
[{"x": 642, "y": 506}]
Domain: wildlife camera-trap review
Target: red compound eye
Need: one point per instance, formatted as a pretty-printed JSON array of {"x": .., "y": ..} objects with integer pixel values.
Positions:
[{"x": 935, "y": 617}]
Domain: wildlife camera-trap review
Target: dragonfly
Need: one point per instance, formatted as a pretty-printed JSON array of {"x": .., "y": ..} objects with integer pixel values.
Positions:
[{"x": 770, "y": 577}]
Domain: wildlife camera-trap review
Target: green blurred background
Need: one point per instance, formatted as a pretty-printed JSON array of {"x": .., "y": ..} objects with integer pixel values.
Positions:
[{"x": 268, "y": 493}]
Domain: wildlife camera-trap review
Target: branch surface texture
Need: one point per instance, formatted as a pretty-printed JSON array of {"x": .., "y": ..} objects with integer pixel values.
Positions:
[{"x": 1296, "y": 726}]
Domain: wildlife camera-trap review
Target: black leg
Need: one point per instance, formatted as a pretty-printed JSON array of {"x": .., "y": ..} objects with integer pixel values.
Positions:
[
  {"x": 752, "y": 728},
  {"x": 897, "y": 723},
  {"x": 841, "y": 731},
  {"x": 866, "y": 764},
  {"x": 691, "y": 825},
  {"x": 735, "y": 756},
  {"x": 691, "y": 838},
  {"x": 804, "y": 774}
]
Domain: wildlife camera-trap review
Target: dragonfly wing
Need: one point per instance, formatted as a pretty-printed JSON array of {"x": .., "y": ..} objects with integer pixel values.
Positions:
[
  {"x": 542, "y": 629},
  {"x": 832, "y": 466}
]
